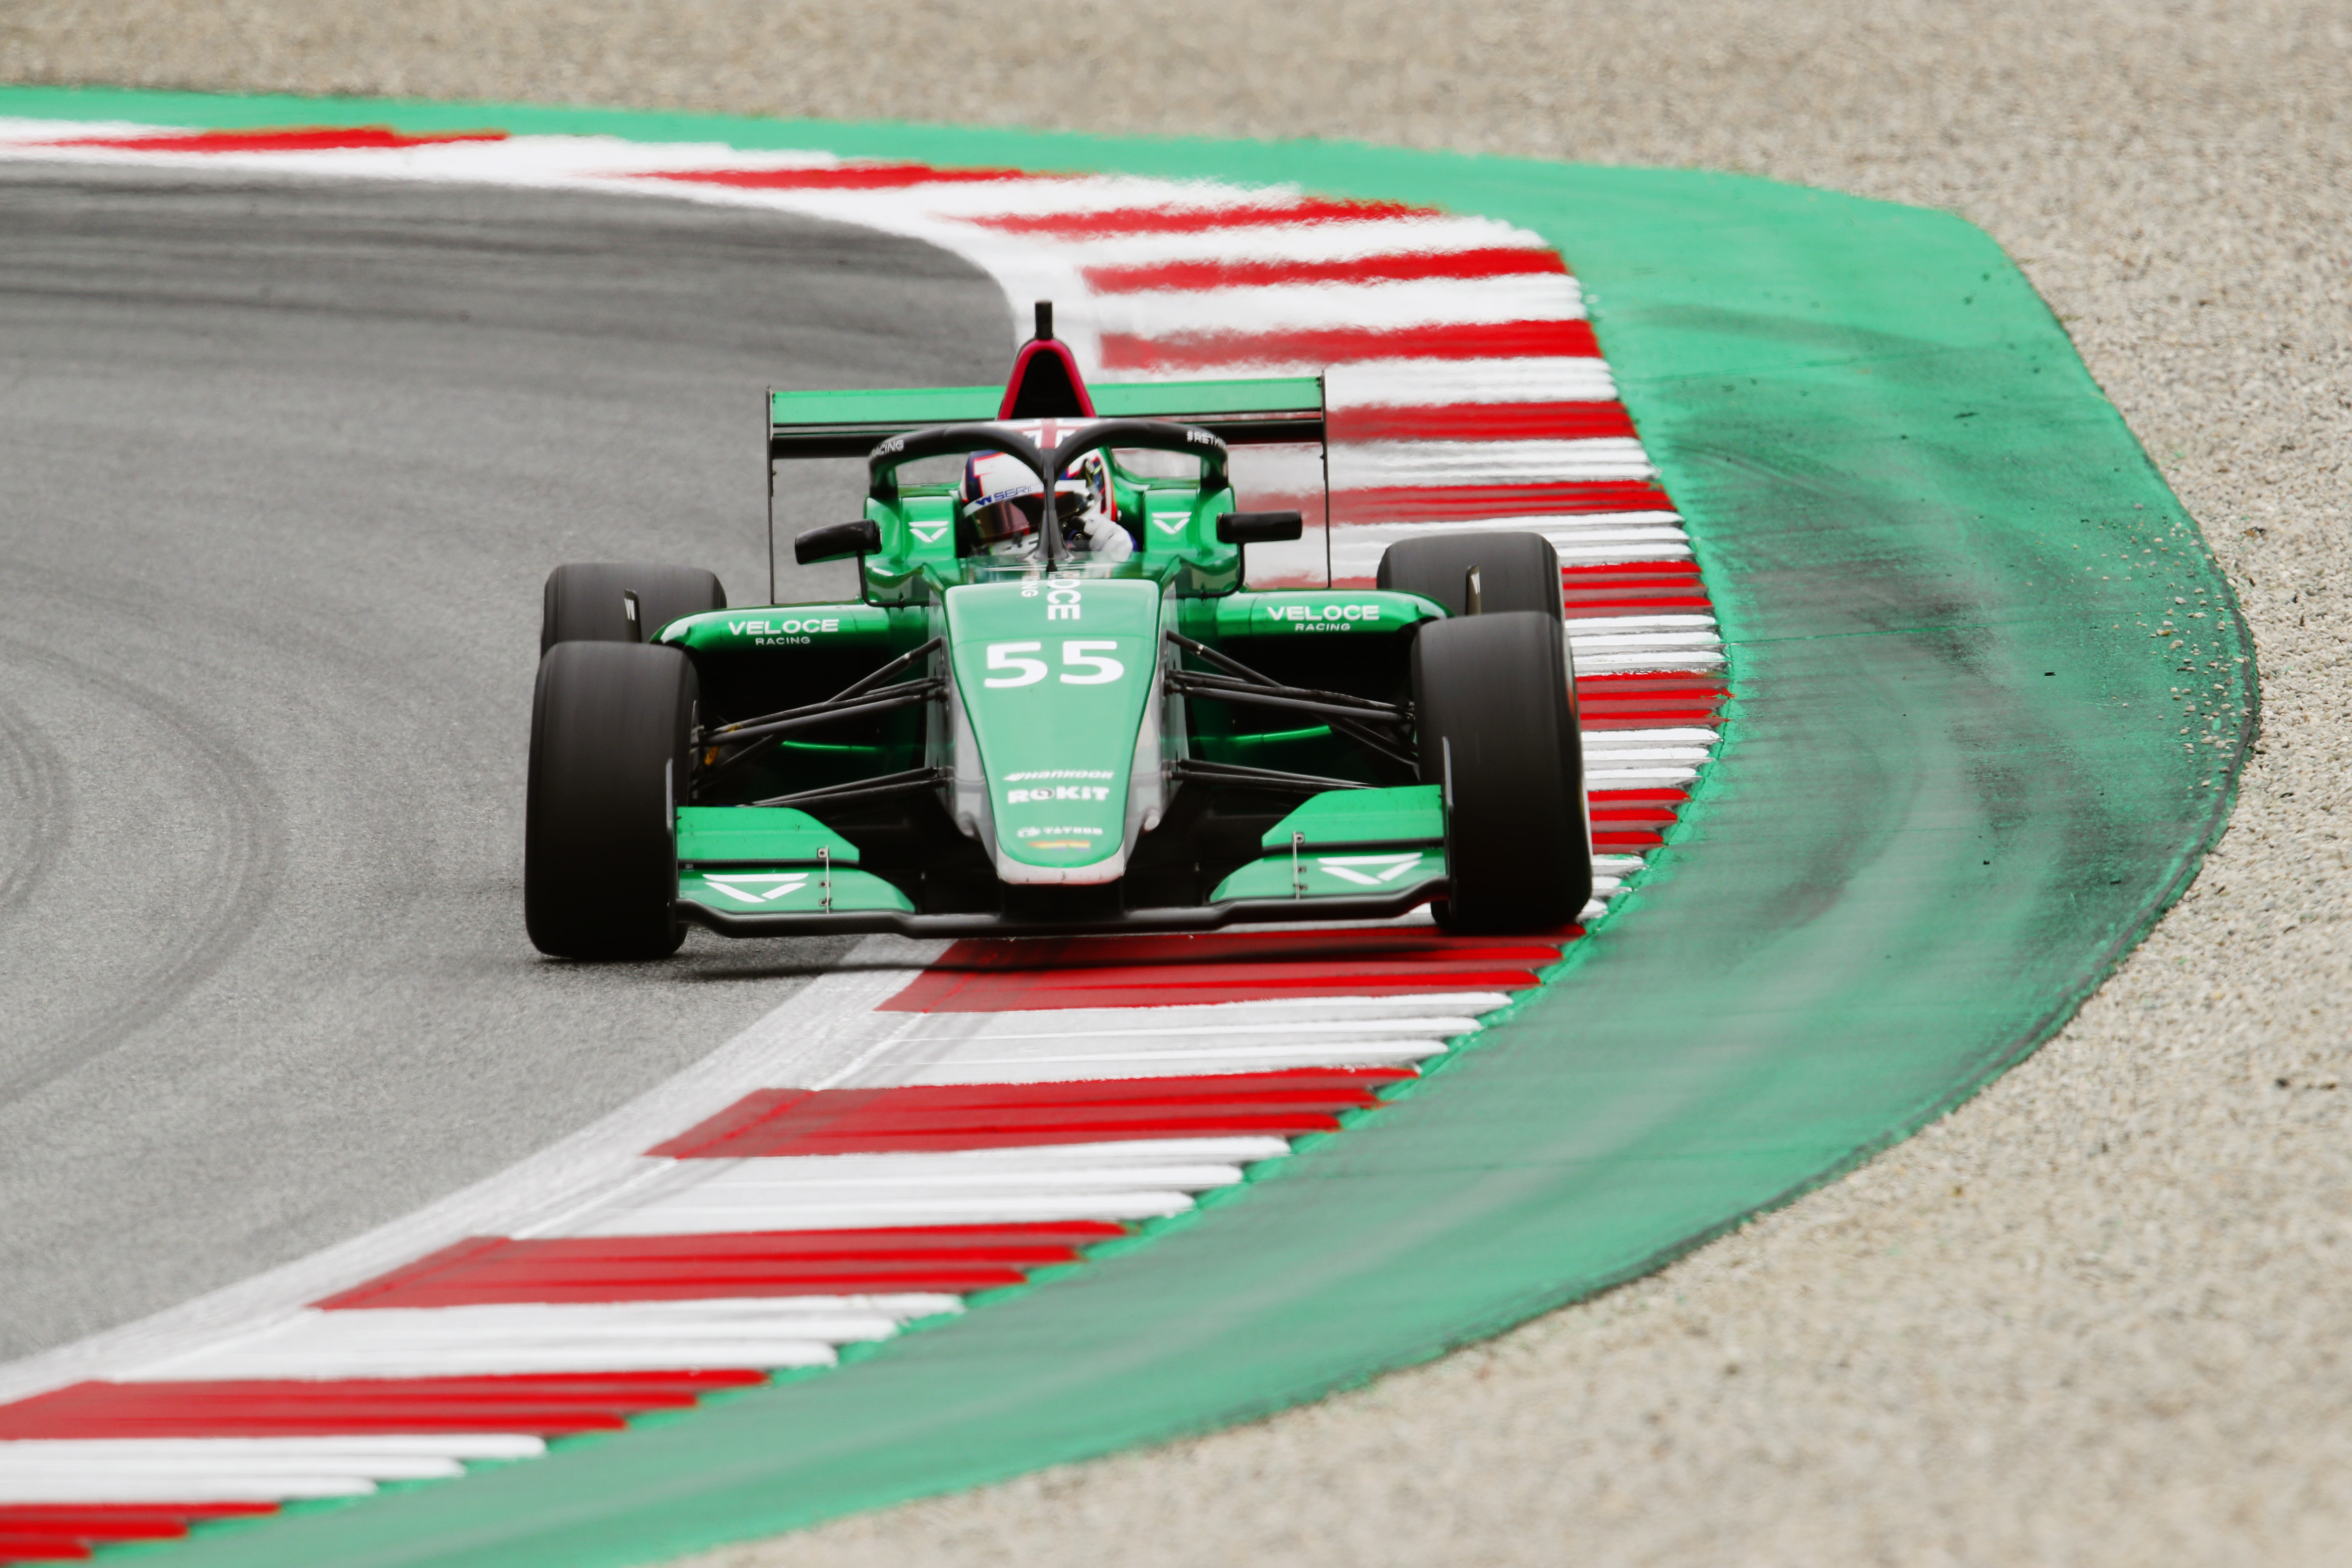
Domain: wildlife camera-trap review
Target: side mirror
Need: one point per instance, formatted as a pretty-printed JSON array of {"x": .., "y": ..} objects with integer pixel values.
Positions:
[
  {"x": 835, "y": 540},
  {"x": 1259, "y": 528}
]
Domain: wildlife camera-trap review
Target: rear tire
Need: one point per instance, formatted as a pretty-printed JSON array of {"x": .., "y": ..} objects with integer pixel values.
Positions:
[
  {"x": 581, "y": 601},
  {"x": 608, "y": 762},
  {"x": 1515, "y": 571},
  {"x": 1497, "y": 719}
]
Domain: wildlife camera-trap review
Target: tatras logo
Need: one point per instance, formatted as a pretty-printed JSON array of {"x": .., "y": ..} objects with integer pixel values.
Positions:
[
  {"x": 1327, "y": 612},
  {"x": 1079, "y": 836},
  {"x": 784, "y": 627},
  {"x": 1371, "y": 871},
  {"x": 1058, "y": 792},
  {"x": 748, "y": 888}
]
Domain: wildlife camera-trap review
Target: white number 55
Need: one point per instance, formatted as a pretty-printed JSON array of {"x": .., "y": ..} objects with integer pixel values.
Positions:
[
  {"x": 1004, "y": 656},
  {"x": 1076, "y": 653},
  {"x": 1105, "y": 670}
]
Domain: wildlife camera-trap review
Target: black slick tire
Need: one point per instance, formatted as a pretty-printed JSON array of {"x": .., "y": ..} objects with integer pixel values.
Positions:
[
  {"x": 583, "y": 601},
  {"x": 1515, "y": 571},
  {"x": 1496, "y": 706},
  {"x": 608, "y": 761}
]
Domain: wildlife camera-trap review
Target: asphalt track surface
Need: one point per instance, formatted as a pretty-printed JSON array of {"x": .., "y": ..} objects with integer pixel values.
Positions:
[{"x": 285, "y": 464}]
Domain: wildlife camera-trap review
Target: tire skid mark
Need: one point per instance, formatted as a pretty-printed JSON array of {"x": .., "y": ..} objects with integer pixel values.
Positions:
[
  {"x": 36, "y": 807},
  {"x": 245, "y": 865}
]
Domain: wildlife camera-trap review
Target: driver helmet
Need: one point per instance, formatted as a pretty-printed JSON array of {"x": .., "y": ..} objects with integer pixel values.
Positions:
[
  {"x": 1082, "y": 499},
  {"x": 1004, "y": 502}
]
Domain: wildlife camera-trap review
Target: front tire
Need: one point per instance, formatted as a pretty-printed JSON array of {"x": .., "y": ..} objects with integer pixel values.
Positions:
[
  {"x": 608, "y": 765},
  {"x": 1515, "y": 571},
  {"x": 581, "y": 601},
  {"x": 1497, "y": 711}
]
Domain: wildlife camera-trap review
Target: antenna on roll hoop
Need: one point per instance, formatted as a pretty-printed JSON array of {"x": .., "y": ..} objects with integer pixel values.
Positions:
[
  {"x": 770, "y": 444},
  {"x": 1052, "y": 521}
]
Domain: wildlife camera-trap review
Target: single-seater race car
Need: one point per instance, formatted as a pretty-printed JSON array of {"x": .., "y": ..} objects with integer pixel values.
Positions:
[{"x": 1053, "y": 707}]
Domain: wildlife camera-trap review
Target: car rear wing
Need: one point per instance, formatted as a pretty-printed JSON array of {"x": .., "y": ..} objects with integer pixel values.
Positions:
[{"x": 1253, "y": 411}]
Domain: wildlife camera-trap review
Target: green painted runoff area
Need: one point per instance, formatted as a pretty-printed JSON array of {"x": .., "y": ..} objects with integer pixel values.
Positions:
[{"x": 1953, "y": 793}]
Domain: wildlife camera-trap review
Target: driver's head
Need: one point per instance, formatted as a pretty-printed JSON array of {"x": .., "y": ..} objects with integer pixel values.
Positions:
[
  {"x": 1004, "y": 502},
  {"x": 1082, "y": 497}
]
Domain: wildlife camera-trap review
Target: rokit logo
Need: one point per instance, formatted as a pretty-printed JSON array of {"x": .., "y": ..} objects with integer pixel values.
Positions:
[{"x": 1058, "y": 792}]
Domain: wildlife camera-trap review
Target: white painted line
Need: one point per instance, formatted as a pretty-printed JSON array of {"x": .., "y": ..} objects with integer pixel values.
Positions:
[
  {"x": 1057, "y": 1043},
  {"x": 1645, "y": 754},
  {"x": 1635, "y": 551},
  {"x": 1436, "y": 463},
  {"x": 1317, "y": 242},
  {"x": 1603, "y": 643},
  {"x": 1603, "y": 625},
  {"x": 610, "y": 1336},
  {"x": 356, "y": 1450},
  {"x": 1120, "y": 1206},
  {"x": 132, "y": 1486},
  {"x": 504, "y": 1358},
  {"x": 377, "y": 1467},
  {"x": 1356, "y": 551},
  {"x": 1128, "y": 1179},
  {"x": 1438, "y": 383},
  {"x": 1689, "y": 735},
  {"x": 1351, "y": 306},
  {"x": 1638, "y": 778},
  {"x": 1036, "y": 1069},
  {"x": 1662, "y": 661}
]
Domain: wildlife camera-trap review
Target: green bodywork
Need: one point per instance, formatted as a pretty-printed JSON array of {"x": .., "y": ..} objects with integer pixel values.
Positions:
[
  {"x": 1347, "y": 841},
  {"x": 1054, "y": 731},
  {"x": 1054, "y": 677},
  {"x": 773, "y": 860}
]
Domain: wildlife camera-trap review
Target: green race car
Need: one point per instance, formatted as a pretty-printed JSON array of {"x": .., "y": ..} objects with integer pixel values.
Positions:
[{"x": 1053, "y": 707}]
